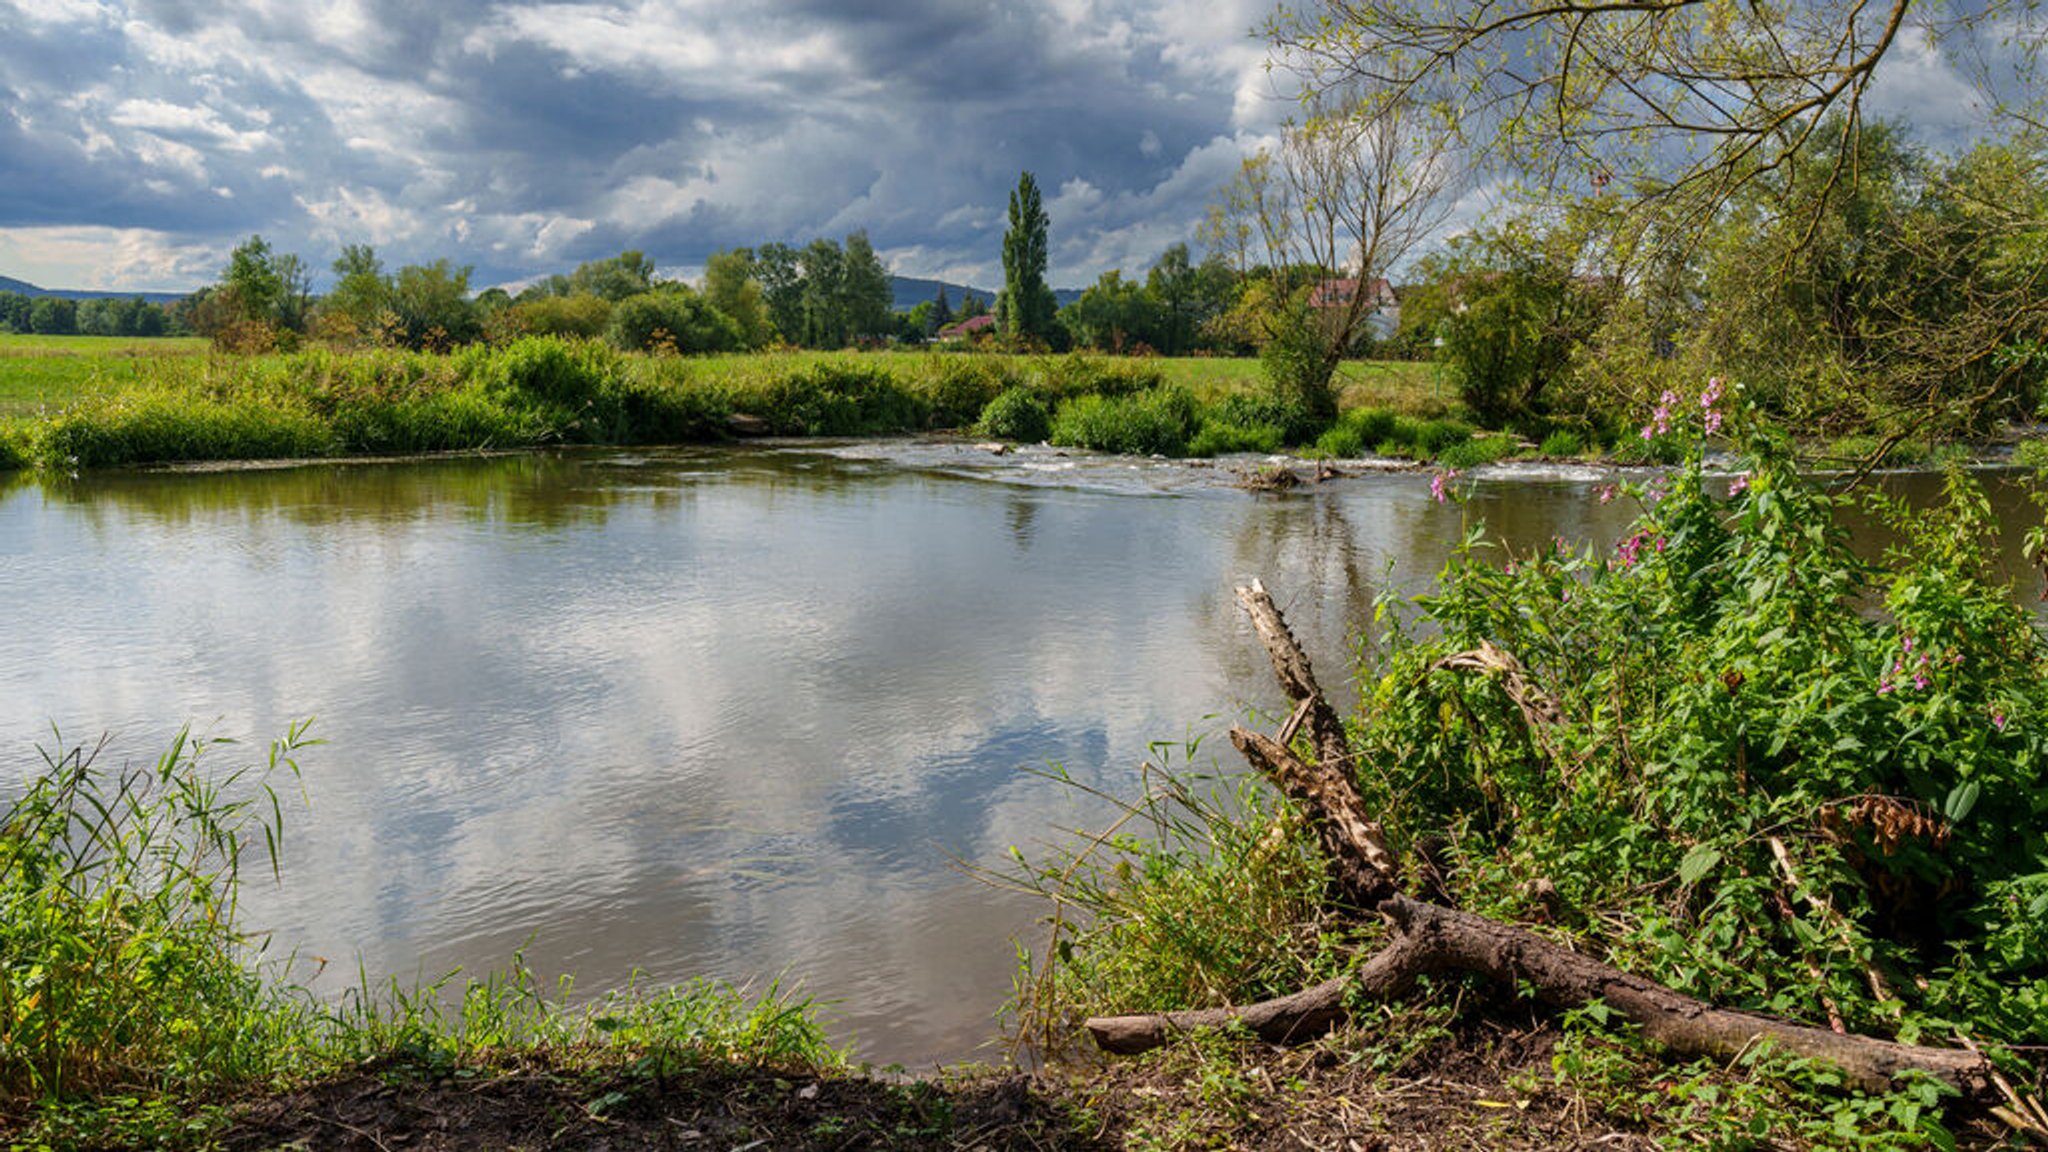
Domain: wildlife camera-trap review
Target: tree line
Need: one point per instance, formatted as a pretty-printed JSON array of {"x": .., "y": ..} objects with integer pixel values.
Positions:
[{"x": 57, "y": 316}]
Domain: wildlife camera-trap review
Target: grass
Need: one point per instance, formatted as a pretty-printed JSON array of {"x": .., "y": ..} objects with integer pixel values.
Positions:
[{"x": 83, "y": 402}]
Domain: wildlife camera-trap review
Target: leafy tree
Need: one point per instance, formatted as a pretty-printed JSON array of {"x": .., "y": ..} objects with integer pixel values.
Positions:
[
  {"x": 1186, "y": 296},
  {"x": 627, "y": 274},
  {"x": 824, "y": 302},
  {"x": 672, "y": 320},
  {"x": 14, "y": 311},
  {"x": 361, "y": 299},
  {"x": 864, "y": 293},
  {"x": 51, "y": 316},
  {"x": 1113, "y": 315},
  {"x": 780, "y": 270},
  {"x": 1355, "y": 187},
  {"x": 431, "y": 306},
  {"x": 1918, "y": 281},
  {"x": 731, "y": 287},
  {"x": 1027, "y": 304},
  {"x": 1522, "y": 310},
  {"x": 581, "y": 316},
  {"x": 1683, "y": 112},
  {"x": 252, "y": 277}
]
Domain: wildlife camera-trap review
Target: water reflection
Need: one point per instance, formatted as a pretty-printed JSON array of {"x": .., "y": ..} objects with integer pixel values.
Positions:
[{"x": 733, "y": 713}]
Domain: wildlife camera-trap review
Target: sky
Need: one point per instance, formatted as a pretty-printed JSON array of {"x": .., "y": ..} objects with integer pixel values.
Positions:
[{"x": 141, "y": 140}]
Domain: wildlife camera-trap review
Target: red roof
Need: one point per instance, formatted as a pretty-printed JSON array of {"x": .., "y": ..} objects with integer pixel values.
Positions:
[
  {"x": 1338, "y": 293},
  {"x": 967, "y": 327}
]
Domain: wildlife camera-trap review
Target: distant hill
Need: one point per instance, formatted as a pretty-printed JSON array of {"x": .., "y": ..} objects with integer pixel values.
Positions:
[
  {"x": 911, "y": 291},
  {"x": 10, "y": 284}
]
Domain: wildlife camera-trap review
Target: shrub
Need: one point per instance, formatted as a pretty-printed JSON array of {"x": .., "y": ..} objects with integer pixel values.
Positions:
[
  {"x": 581, "y": 316},
  {"x": 1079, "y": 374},
  {"x": 672, "y": 320},
  {"x": 832, "y": 398},
  {"x": 1740, "y": 758},
  {"x": 1217, "y": 438},
  {"x": 1357, "y": 429},
  {"x": 1731, "y": 709},
  {"x": 659, "y": 404},
  {"x": 1015, "y": 415},
  {"x": 1563, "y": 442},
  {"x": 550, "y": 369},
  {"x": 1297, "y": 363},
  {"x": 1432, "y": 437},
  {"x": 1154, "y": 423},
  {"x": 959, "y": 389},
  {"x": 1251, "y": 409},
  {"x": 14, "y": 447},
  {"x": 162, "y": 427},
  {"x": 1474, "y": 451}
]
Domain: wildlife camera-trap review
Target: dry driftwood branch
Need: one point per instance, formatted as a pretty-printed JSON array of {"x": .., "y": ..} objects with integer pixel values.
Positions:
[
  {"x": 1297, "y": 679},
  {"x": 1428, "y": 938}
]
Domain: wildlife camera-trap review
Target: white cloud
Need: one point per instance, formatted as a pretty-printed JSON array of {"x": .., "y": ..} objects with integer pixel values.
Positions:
[{"x": 106, "y": 258}]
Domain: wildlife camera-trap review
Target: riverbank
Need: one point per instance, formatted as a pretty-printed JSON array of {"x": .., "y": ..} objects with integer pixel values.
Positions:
[{"x": 84, "y": 403}]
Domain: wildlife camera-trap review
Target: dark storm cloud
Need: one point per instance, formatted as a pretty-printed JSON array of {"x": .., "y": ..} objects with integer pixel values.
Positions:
[{"x": 522, "y": 136}]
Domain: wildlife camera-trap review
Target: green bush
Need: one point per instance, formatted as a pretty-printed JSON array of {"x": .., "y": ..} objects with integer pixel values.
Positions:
[
  {"x": 959, "y": 389},
  {"x": 1079, "y": 374},
  {"x": 660, "y": 404},
  {"x": 1432, "y": 437},
  {"x": 435, "y": 421},
  {"x": 1722, "y": 683},
  {"x": 1015, "y": 415},
  {"x": 1218, "y": 439},
  {"x": 163, "y": 427},
  {"x": 14, "y": 447},
  {"x": 834, "y": 398},
  {"x": 1740, "y": 758},
  {"x": 550, "y": 370},
  {"x": 1563, "y": 442},
  {"x": 1359, "y": 429},
  {"x": 1474, "y": 451},
  {"x": 1154, "y": 423},
  {"x": 672, "y": 320}
]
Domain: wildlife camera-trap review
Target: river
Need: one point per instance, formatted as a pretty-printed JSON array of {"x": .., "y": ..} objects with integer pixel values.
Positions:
[{"x": 743, "y": 713}]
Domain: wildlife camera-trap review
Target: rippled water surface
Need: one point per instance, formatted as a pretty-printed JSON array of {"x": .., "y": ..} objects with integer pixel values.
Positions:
[{"x": 736, "y": 713}]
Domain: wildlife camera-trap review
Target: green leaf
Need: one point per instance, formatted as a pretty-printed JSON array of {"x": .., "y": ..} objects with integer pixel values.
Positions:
[
  {"x": 1697, "y": 863},
  {"x": 1961, "y": 799}
]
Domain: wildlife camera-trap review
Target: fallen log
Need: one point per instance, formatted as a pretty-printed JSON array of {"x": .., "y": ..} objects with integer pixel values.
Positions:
[{"x": 1429, "y": 938}]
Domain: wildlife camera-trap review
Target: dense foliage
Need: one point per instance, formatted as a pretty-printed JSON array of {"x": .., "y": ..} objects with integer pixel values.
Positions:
[
  {"x": 1727, "y": 752},
  {"x": 1751, "y": 763}
]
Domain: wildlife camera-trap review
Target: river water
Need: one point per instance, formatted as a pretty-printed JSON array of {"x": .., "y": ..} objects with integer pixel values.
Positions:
[{"x": 740, "y": 713}]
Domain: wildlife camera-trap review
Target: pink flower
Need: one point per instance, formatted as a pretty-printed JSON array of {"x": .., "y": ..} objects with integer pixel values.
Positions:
[
  {"x": 1740, "y": 486},
  {"x": 1439, "y": 484},
  {"x": 1998, "y": 719},
  {"x": 1607, "y": 493}
]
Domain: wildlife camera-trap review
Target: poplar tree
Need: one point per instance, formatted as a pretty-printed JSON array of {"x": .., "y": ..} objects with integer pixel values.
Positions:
[{"x": 1028, "y": 305}]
